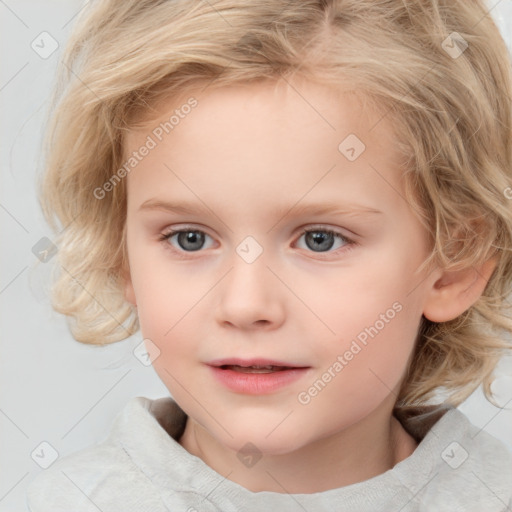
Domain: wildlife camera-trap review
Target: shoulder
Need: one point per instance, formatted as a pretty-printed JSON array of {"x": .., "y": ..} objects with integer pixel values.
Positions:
[
  {"x": 463, "y": 467},
  {"x": 475, "y": 450},
  {"x": 100, "y": 477},
  {"x": 74, "y": 481}
]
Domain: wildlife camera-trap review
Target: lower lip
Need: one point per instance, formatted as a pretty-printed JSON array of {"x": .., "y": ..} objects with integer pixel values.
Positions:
[{"x": 257, "y": 383}]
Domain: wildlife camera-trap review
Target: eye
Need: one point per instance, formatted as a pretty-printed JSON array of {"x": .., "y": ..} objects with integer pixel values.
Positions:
[
  {"x": 319, "y": 240},
  {"x": 188, "y": 240},
  {"x": 323, "y": 240}
]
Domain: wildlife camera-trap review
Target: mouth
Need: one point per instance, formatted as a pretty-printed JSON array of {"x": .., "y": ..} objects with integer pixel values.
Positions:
[
  {"x": 255, "y": 365},
  {"x": 256, "y": 376}
]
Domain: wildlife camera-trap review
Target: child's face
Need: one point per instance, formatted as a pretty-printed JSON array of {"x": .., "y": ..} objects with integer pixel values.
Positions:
[{"x": 245, "y": 160}]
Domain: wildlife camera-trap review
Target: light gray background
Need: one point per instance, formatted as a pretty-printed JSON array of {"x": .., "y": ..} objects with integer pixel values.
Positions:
[{"x": 52, "y": 388}]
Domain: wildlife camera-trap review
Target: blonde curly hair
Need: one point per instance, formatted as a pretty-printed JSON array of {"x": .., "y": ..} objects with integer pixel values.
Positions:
[{"x": 438, "y": 69}]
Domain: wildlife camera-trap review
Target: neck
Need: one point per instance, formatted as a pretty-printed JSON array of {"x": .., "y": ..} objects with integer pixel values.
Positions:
[{"x": 364, "y": 450}]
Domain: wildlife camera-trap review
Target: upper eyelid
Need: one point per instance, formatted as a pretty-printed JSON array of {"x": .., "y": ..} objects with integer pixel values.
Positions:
[{"x": 313, "y": 227}]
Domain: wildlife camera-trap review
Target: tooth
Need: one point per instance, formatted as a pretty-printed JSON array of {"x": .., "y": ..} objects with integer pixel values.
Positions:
[{"x": 256, "y": 368}]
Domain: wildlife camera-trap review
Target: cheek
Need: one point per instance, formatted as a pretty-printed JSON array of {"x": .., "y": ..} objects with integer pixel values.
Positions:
[
  {"x": 374, "y": 319},
  {"x": 170, "y": 307},
  {"x": 348, "y": 301},
  {"x": 166, "y": 292},
  {"x": 357, "y": 376}
]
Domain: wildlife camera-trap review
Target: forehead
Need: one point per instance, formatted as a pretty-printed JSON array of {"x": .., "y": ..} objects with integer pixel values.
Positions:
[
  {"x": 293, "y": 104},
  {"x": 267, "y": 138}
]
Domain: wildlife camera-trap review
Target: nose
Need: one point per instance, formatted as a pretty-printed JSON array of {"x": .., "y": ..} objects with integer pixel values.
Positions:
[{"x": 251, "y": 296}]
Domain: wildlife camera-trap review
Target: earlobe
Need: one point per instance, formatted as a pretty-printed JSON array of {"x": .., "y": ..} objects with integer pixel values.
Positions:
[{"x": 456, "y": 291}]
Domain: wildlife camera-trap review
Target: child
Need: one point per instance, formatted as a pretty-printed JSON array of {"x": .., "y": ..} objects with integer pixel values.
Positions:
[{"x": 341, "y": 170}]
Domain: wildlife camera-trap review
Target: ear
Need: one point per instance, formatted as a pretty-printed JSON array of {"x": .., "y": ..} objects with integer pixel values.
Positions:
[{"x": 456, "y": 291}]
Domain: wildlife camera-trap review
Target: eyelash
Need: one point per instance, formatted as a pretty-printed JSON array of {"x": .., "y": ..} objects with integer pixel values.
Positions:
[{"x": 349, "y": 244}]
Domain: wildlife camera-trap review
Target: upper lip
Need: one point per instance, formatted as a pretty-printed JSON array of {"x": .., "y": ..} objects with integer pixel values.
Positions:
[{"x": 235, "y": 361}]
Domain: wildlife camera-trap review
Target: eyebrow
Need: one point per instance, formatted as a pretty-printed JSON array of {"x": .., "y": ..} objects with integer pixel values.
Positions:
[{"x": 323, "y": 208}]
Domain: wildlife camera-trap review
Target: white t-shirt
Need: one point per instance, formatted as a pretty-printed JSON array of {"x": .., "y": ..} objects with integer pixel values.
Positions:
[{"x": 141, "y": 467}]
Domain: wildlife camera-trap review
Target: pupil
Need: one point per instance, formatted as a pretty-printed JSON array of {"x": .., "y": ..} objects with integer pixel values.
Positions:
[
  {"x": 319, "y": 240},
  {"x": 191, "y": 240}
]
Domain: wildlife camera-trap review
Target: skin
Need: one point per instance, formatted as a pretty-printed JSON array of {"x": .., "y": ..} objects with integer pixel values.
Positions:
[{"x": 246, "y": 151}]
